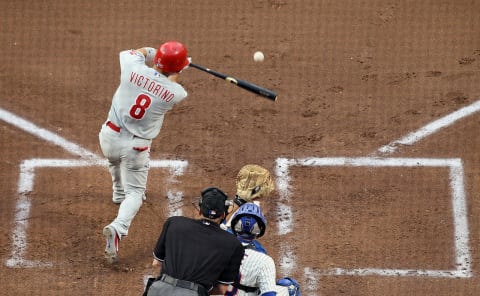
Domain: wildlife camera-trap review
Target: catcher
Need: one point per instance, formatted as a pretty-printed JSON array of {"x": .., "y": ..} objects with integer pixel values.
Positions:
[
  {"x": 257, "y": 271},
  {"x": 247, "y": 222}
]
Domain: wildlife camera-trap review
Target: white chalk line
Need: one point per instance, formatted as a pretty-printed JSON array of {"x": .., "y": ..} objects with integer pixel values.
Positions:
[
  {"x": 310, "y": 278},
  {"x": 431, "y": 128},
  {"x": 457, "y": 201},
  {"x": 463, "y": 256},
  {"x": 23, "y": 206},
  {"x": 463, "y": 268},
  {"x": 46, "y": 135},
  {"x": 312, "y": 275},
  {"x": 27, "y": 180}
]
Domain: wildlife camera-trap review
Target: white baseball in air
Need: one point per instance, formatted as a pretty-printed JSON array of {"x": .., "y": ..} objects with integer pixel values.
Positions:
[{"x": 258, "y": 56}]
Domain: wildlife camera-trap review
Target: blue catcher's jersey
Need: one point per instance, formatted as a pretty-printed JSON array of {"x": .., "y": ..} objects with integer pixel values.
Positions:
[{"x": 253, "y": 244}]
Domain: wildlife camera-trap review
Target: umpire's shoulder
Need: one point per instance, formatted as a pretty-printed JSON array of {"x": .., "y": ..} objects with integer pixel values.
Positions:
[
  {"x": 232, "y": 239},
  {"x": 179, "y": 219}
]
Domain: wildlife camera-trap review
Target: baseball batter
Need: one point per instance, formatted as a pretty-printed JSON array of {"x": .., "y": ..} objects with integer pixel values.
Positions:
[{"x": 148, "y": 90}]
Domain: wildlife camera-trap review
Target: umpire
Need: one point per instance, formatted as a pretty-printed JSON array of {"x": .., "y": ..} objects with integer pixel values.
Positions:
[{"x": 196, "y": 256}]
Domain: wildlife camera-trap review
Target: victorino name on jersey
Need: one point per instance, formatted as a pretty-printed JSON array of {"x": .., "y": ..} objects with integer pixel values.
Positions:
[{"x": 151, "y": 86}]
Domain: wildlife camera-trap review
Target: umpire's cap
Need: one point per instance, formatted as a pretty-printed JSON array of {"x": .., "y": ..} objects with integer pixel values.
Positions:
[{"x": 213, "y": 202}]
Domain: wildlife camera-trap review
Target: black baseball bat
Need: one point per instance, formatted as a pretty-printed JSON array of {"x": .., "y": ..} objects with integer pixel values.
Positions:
[{"x": 269, "y": 94}]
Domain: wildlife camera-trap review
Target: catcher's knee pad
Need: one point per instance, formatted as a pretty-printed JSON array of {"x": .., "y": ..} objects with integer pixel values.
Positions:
[{"x": 291, "y": 284}]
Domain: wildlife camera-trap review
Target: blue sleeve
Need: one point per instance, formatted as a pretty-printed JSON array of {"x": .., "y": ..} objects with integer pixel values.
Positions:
[
  {"x": 229, "y": 229},
  {"x": 259, "y": 247}
]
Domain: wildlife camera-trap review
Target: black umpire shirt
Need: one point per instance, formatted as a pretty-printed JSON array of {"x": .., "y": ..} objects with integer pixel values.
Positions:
[{"x": 198, "y": 251}]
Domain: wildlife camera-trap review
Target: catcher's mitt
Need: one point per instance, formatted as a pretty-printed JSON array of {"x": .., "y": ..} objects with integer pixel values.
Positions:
[{"x": 254, "y": 181}]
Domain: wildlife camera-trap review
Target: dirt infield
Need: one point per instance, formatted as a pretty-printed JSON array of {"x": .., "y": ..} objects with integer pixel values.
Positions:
[{"x": 373, "y": 140}]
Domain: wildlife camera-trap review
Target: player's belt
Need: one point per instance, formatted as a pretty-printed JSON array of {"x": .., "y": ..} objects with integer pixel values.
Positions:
[
  {"x": 117, "y": 129},
  {"x": 113, "y": 126},
  {"x": 183, "y": 284},
  {"x": 247, "y": 289}
]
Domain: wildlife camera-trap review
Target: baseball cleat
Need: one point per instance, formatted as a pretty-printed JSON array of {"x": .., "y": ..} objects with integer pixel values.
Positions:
[{"x": 111, "y": 249}]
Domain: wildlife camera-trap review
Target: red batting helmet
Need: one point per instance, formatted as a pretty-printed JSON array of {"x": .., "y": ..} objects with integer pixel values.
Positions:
[{"x": 171, "y": 57}]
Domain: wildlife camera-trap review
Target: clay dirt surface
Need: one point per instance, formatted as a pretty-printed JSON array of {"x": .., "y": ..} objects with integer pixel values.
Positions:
[{"x": 351, "y": 76}]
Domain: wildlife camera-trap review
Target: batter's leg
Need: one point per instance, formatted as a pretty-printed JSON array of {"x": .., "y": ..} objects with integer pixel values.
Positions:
[
  {"x": 135, "y": 173},
  {"x": 113, "y": 147},
  {"x": 117, "y": 187}
]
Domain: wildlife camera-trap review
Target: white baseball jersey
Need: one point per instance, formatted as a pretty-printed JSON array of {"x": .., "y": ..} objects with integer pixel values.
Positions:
[
  {"x": 143, "y": 96},
  {"x": 257, "y": 270}
]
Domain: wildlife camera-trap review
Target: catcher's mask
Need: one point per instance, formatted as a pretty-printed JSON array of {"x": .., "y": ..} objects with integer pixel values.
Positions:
[
  {"x": 171, "y": 57},
  {"x": 248, "y": 222},
  {"x": 213, "y": 203}
]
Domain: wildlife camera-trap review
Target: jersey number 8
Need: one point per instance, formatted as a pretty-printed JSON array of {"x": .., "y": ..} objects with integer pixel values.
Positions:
[{"x": 141, "y": 105}]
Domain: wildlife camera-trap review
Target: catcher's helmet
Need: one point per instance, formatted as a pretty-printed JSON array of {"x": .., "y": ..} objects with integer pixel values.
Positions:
[
  {"x": 171, "y": 57},
  {"x": 248, "y": 222}
]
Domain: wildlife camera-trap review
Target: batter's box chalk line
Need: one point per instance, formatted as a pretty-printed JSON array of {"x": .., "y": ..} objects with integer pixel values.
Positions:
[
  {"x": 284, "y": 211},
  {"x": 25, "y": 186},
  {"x": 27, "y": 180},
  {"x": 458, "y": 201},
  {"x": 429, "y": 129}
]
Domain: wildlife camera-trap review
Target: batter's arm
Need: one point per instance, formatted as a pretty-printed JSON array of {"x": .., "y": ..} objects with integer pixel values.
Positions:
[{"x": 149, "y": 53}]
